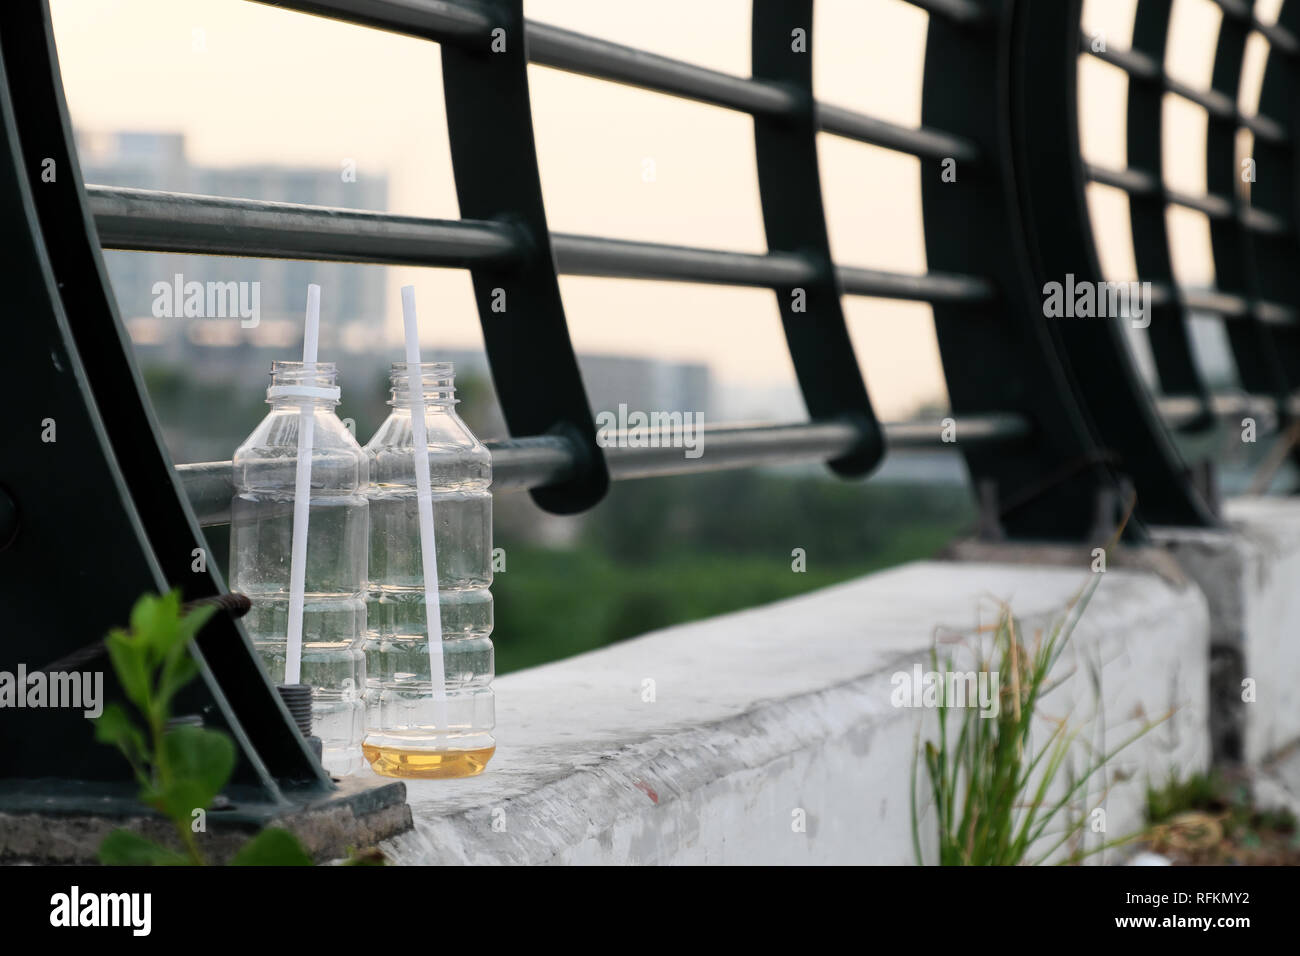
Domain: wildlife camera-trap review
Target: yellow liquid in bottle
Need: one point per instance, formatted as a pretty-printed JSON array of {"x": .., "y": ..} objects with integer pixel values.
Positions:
[{"x": 427, "y": 764}]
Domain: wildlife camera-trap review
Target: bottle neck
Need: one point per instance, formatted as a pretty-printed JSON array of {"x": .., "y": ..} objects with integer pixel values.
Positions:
[
  {"x": 295, "y": 385},
  {"x": 434, "y": 388}
]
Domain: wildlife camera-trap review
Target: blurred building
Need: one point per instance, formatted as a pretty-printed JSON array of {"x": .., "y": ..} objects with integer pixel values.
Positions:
[{"x": 223, "y": 349}]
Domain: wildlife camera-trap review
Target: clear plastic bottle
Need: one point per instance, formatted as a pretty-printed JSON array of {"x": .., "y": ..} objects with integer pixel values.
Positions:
[
  {"x": 405, "y": 736},
  {"x": 261, "y": 530}
]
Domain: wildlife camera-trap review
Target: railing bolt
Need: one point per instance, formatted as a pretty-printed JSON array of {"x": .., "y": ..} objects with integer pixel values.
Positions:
[{"x": 297, "y": 697}]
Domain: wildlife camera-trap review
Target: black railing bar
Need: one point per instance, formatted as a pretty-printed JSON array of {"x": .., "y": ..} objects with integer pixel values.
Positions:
[
  {"x": 1214, "y": 102},
  {"x": 575, "y": 52},
  {"x": 1264, "y": 127},
  {"x": 1143, "y": 183},
  {"x": 153, "y": 221},
  {"x": 738, "y": 447},
  {"x": 537, "y": 461},
  {"x": 1277, "y": 36},
  {"x": 1130, "y": 180},
  {"x": 629, "y": 259},
  {"x": 519, "y": 463},
  {"x": 1271, "y": 313},
  {"x": 564, "y": 49},
  {"x": 958, "y": 11},
  {"x": 931, "y": 287},
  {"x": 749, "y": 446},
  {"x": 1214, "y": 207},
  {"x": 603, "y": 59},
  {"x": 1143, "y": 67},
  {"x": 1133, "y": 62},
  {"x": 923, "y": 142},
  {"x": 1237, "y": 9},
  {"x": 438, "y": 20},
  {"x": 1224, "y": 109},
  {"x": 1177, "y": 411},
  {"x": 989, "y": 427},
  {"x": 516, "y": 464},
  {"x": 606, "y": 60},
  {"x": 1227, "y": 305},
  {"x": 459, "y": 22},
  {"x": 1260, "y": 221}
]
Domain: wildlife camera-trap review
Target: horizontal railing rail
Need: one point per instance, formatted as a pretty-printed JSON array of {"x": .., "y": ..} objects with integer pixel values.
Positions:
[
  {"x": 155, "y": 221},
  {"x": 1143, "y": 68},
  {"x": 1141, "y": 182},
  {"x": 525, "y": 463}
]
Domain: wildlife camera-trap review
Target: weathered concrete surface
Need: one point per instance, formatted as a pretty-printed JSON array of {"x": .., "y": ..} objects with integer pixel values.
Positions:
[
  {"x": 764, "y": 716},
  {"x": 1223, "y": 563},
  {"x": 1250, "y": 574},
  {"x": 1272, "y": 622},
  {"x": 354, "y": 816}
]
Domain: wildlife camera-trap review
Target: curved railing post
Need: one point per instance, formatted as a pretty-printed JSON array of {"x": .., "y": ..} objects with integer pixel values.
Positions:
[
  {"x": 100, "y": 511},
  {"x": 1275, "y": 255},
  {"x": 494, "y": 156},
  {"x": 789, "y": 181},
  {"x": 999, "y": 354},
  {"x": 1049, "y": 177}
]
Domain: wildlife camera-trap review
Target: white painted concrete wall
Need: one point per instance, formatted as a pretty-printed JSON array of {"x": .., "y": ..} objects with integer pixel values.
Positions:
[
  {"x": 759, "y": 715},
  {"x": 1271, "y": 628}
]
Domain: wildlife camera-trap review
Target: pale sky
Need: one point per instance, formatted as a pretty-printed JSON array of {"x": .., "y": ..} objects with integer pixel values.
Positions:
[{"x": 248, "y": 83}]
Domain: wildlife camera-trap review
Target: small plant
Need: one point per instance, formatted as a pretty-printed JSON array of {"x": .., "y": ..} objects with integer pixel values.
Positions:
[
  {"x": 1198, "y": 792},
  {"x": 992, "y": 789},
  {"x": 1212, "y": 820},
  {"x": 180, "y": 769}
]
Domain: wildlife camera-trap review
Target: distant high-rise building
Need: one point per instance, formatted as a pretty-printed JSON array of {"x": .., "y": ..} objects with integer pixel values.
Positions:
[{"x": 226, "y": 348}]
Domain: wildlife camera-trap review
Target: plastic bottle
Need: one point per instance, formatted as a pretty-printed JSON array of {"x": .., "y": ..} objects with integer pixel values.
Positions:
[
  {"x": 409, "y": 732},
  {"x": 261, "y": 526}
]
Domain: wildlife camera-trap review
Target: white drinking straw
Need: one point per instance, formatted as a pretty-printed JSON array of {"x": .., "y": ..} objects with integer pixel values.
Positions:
[
  {"x": 302, "y": 495},
  {"x": 428, "y": 554}
]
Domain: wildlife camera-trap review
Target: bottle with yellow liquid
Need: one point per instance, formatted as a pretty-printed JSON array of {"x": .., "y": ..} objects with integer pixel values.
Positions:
[{"x": 411, "y": 730}]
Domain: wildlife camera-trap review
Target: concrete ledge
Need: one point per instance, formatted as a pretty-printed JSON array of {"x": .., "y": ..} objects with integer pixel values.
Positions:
[
  {"x": 68, "y": 828},
  {"x": 1272, "y": 622},
  {"x": 707, "y": 743},
  {"x": 1250, "y": 574}
]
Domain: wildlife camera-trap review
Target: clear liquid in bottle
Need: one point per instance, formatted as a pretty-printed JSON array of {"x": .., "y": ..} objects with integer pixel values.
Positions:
[{"x": 409, "y": 733}]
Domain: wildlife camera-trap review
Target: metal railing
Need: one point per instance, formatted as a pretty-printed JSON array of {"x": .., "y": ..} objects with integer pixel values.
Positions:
[
  {"x": 1253, "y": 236},
  {"x": 555, "y": 451},
  {"x": 1051, "y": 416},
  {"x": 844, "y": 430}
]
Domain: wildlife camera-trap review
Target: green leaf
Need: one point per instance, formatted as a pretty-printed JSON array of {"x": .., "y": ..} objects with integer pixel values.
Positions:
[
  {"x": 128, "y": 659},
  {"x": 178, "y": 664},
  {"x": 272, "y": 847},
  {"x": 155, "y": 621},
  {"x": 124, "y": 848},
  {"x": 164, "y": 630},
  {"x": 199, "y": 763},
  {"x": 144, "y": 615},
  {"x": 175, "y": 629},
  {"x": 114, "y": 727},
  {"x": 179, "y": 670}
]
